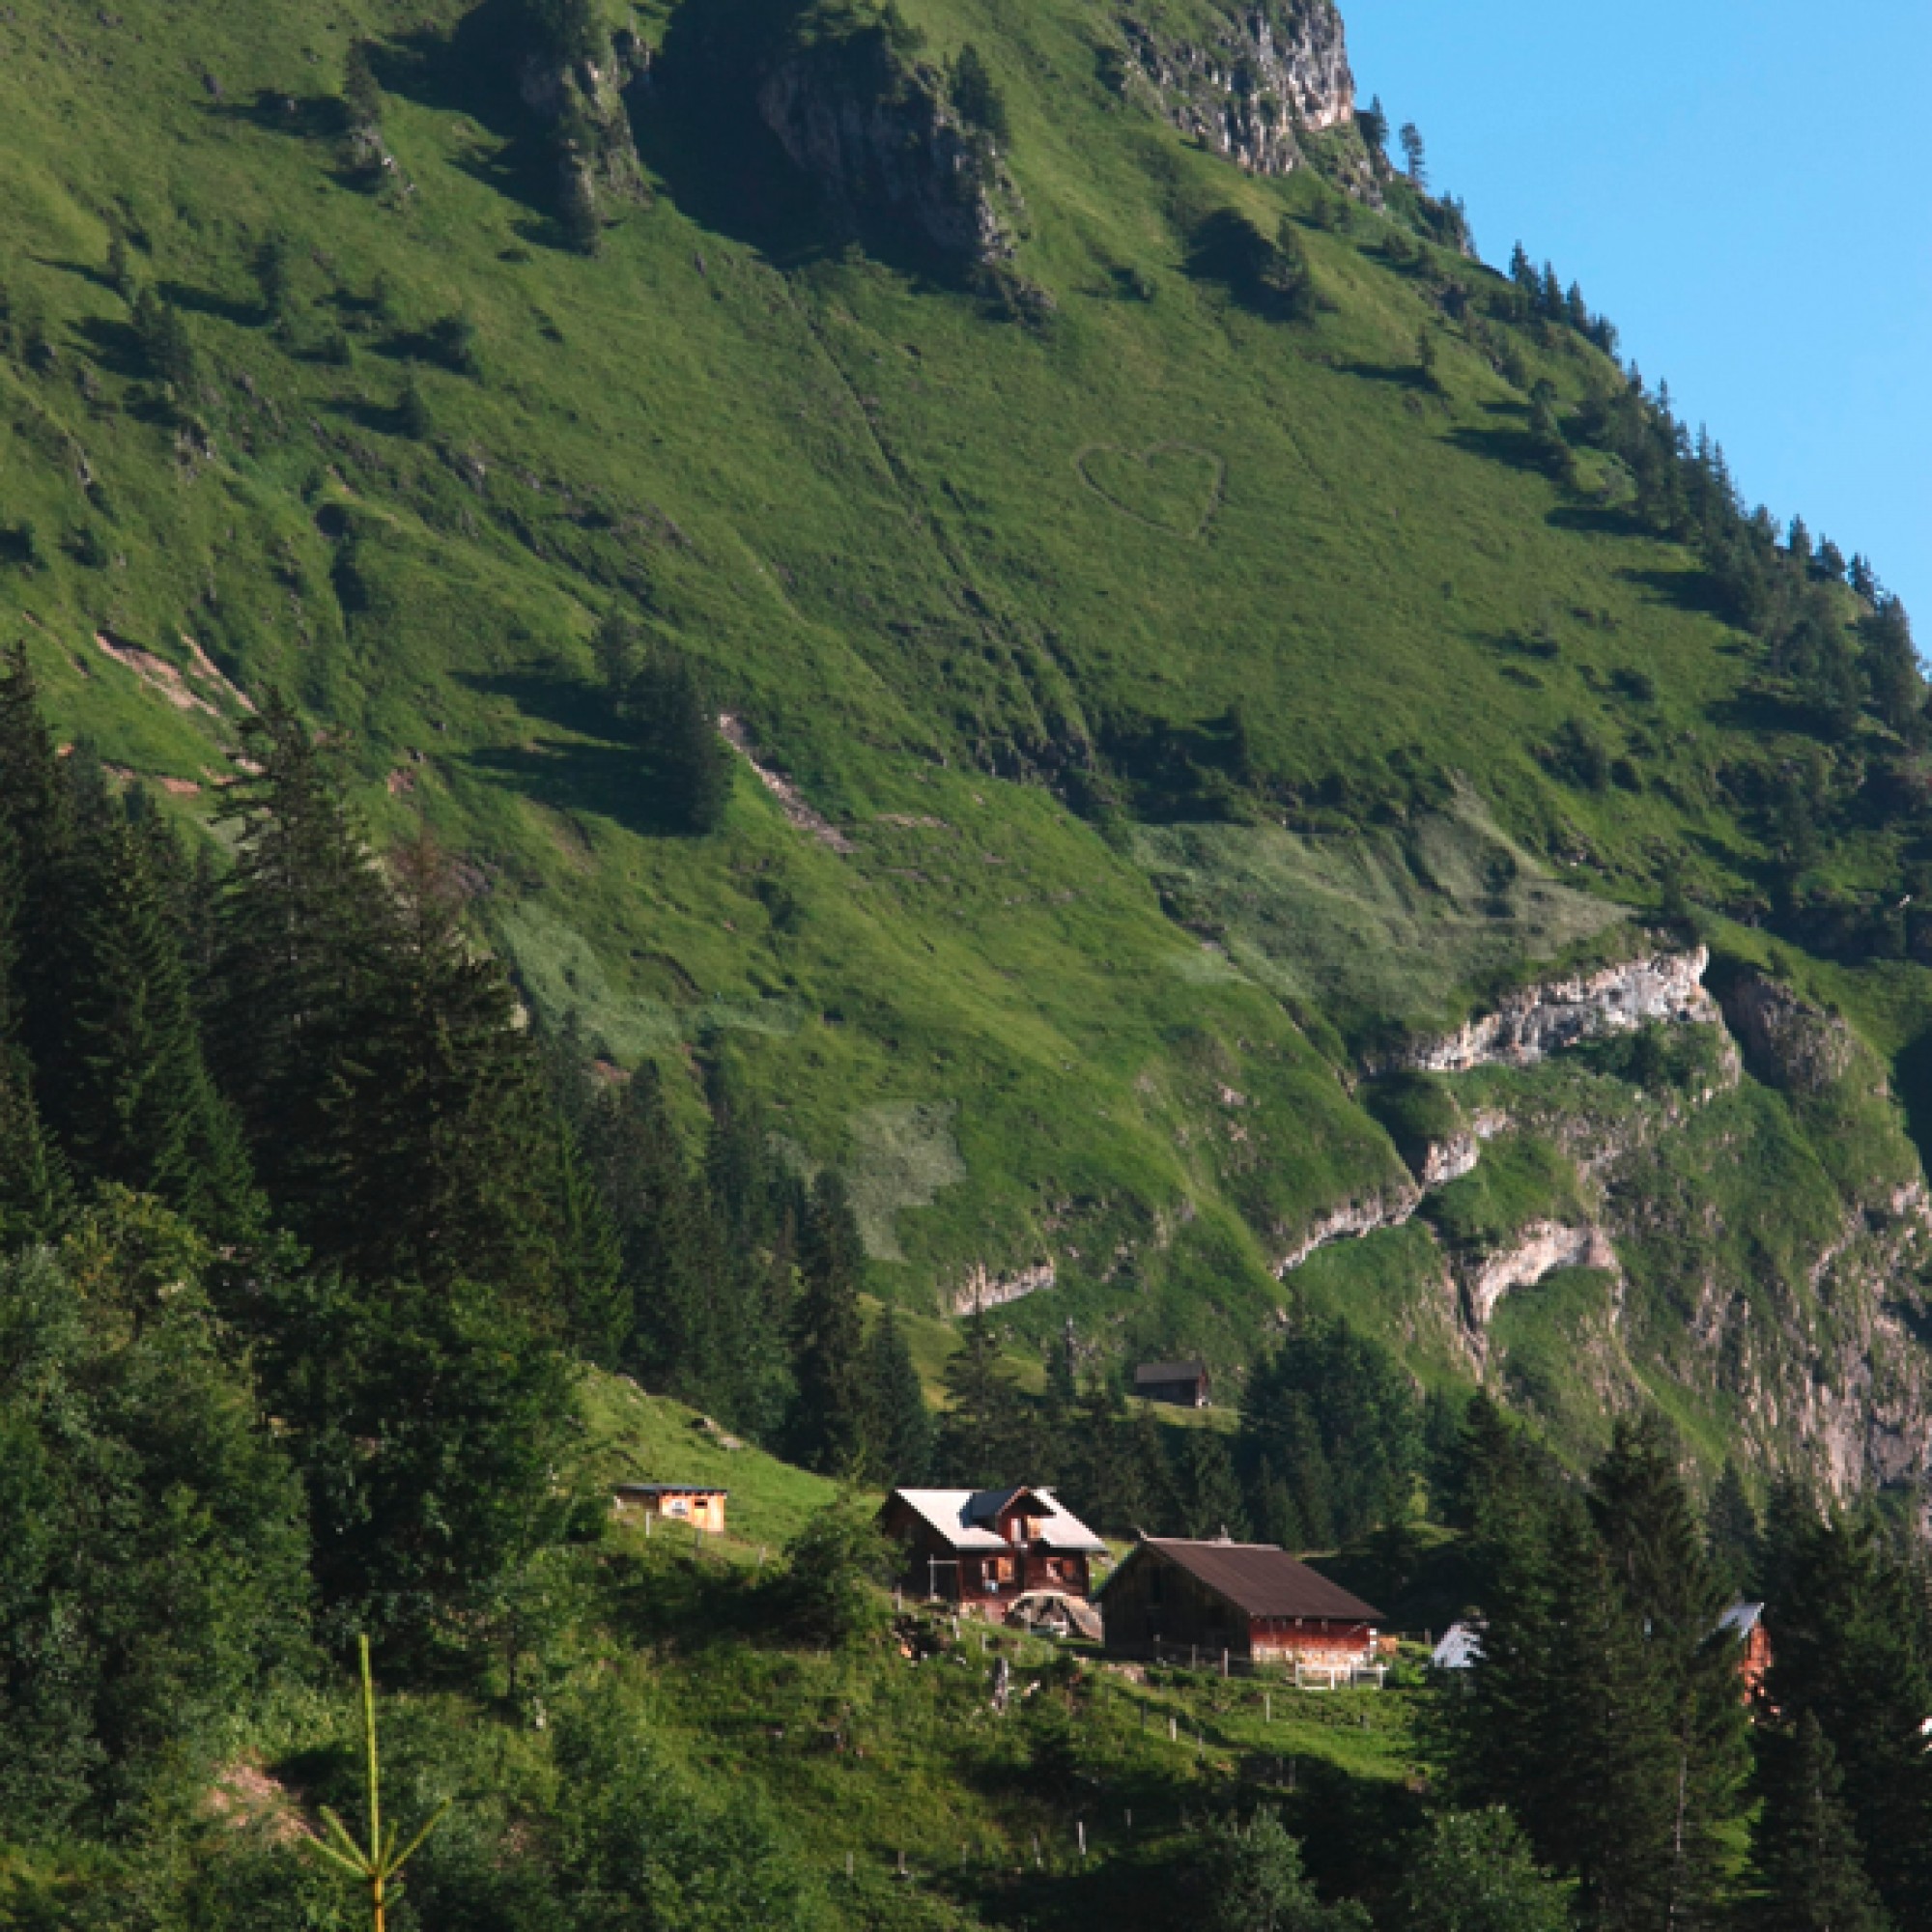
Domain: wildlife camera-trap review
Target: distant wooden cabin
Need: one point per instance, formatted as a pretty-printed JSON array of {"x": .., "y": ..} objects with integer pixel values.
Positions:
[
  {"x": 1182, "y": 1384},
  {"x": 984, "y": 1548},
  {"x": 1746, "y": 1622},
  {"x": 701, "y": 1507},
  {"x": 1251, "y": 1600}
]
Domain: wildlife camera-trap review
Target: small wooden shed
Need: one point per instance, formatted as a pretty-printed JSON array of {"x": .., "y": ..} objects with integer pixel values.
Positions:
[
  {"x": 1184, "y": 1385},
  {"x": 696, "y": 1503}
]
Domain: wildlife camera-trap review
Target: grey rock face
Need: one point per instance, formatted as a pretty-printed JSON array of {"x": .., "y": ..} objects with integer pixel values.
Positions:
[
  {"x": 1278, "y": 70},
  {"x": 901, "y": 151},
  {"x": 1786, "y": 1041},
  {"x": 1540, "y": 1020}
]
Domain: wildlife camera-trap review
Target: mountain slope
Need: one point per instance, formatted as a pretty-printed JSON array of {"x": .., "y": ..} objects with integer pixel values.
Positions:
[{"x": 1193, "y": 676}]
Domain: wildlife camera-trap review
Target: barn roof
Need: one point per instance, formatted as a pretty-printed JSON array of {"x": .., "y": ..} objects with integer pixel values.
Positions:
[
  {"x": 963, "y": 1518},
  {"x": 1258, "y": 1579},
  {"x": 1170, "y": 1371}
]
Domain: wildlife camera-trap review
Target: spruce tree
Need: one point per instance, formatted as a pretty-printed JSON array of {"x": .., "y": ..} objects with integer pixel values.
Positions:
[
  {"x": 35, "y": 808},
  {"x": 450, "y": 1151},
  {"x": 134, "y": 1104},
  {"x": 695, "y": 766},
  {"x": 301, "y": 926},
  {"x": 983, "y": 1435},
  {"x": 832, "y": 1419},
  {"x": 1668, "y": 1589},
  {"x": 1807, "y": 1871},
  {"x": 1211, "y": 1500},
  {"x": 1414, "y": 154},
  {"x": 902, "y": 1432},
  {"x": 29, "y": 1175},
  {"x": 362, "y": 92},
  {"x": 672, "y": 1252},
  {"x": 1846, "y": 1620},
  {"x": 1733, "y": 1534}
]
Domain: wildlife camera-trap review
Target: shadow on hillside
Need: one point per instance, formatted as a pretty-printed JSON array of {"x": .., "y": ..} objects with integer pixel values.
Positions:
[
  {"x": 1684, "y": 589},
  {"x": 473, "y": 69},
  {"x": 113, "y": 347},
  {"x": 85, "y": 271},
  {"x": 1597, "y": 520},
  {"x": 697, "y": 129},
  {"x": 1912, "y": 1081},
  {"x": 380, "y": 419},
  {"x": 1757, "y": 709},
  {"x": 1515, "y": 447},
  {"x": 207, "y": 302},
  {"x": 595, "y": 771},
  {"x": 305, "y": 117}
]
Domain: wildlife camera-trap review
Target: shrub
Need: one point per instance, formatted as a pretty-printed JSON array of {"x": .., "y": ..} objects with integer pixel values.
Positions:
[{"x": 833, "y": 1570}]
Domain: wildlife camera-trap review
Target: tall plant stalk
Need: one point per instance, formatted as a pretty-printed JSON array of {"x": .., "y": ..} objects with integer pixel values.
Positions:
[{"x": 378, "y": 1865}]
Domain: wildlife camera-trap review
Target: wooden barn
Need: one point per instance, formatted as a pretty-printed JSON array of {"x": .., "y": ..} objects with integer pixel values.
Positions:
[
  {"x": 1251, "y": 1600},
  {"x": 984, "y": 1548},
  {"x": 694, "y": 1503},
  {"x": 1182, "y": 1383}
]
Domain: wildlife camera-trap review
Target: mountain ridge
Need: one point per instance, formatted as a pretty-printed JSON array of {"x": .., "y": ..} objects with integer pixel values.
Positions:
[{"x": 1201, "y": 648}]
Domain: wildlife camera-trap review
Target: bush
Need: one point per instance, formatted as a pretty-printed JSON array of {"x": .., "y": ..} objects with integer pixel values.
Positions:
[
  {"x": 835, "y": 1569},
  {"x": 451, "y": 340},
  {"x": 1251, "y": 1880}
]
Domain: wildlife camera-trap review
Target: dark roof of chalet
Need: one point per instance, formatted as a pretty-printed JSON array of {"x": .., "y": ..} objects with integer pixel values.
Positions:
[
  {"x": 670, "y": 1489},
  {"x": 1259, "y": 1579},
  {"x": 1170, "y": 1371}
]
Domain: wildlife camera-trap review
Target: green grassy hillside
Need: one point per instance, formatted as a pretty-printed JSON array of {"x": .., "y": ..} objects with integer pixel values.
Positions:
[{"x": 1183, "y": 702}]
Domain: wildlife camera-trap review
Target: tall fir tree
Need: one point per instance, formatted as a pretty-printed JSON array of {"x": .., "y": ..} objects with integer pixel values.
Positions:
[
  {"x": 29, "y": 1172},
  {"x": 1669, "y": 1589},
  {"x": 448, "y": 1163},
  {"x": 669, "y": 1245},
  {"x": 136, "y": 1105},
  {"x": 300, "y": 929},
  {"x": 1806, "y": 1870},
  {"x": 1733, "y": 1534},
  {"x": 985, "y": 1438},
  {"x": 1847, "y": 1623},
  {"x": 831, "y": 1421},
  {"x": 900, "y": 1452}
]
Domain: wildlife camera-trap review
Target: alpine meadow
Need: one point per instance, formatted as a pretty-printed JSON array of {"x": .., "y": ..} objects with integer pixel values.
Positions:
[{"x": 793, "y": 791}]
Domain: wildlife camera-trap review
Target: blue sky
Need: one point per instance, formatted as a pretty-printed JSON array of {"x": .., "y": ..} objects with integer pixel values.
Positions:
[{"x": 1739, "y": 185}]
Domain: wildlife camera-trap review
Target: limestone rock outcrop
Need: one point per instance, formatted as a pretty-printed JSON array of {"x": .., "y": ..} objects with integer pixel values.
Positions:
[
  {"x": 1536, "y": 1021},
  {"x": 880, "y": 135},
  {"x": 1536, "y": 1252},
  {"x": 1787, "y": 1042},
  {"x": 1277, "y": 70}
]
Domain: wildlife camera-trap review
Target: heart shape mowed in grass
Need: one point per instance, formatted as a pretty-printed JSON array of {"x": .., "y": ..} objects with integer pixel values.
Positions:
[{"x": 1169, "y": 486}]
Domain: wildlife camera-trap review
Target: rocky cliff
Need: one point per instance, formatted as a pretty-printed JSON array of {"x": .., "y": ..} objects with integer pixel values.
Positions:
[
  {"x": 876, "y": 129},
  {"x": 1542, "y": 1019},
  {"x": 1275, "y": 71}
]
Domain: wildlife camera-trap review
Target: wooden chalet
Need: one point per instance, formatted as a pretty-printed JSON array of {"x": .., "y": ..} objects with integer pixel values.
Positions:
[
  {"x": 1255, "y": 1601},
  {"x": 1184, "y": 1385},
  {"x": 985, "y": 1548},
  {"x": 694, "y": 1503},
  {"x": 1745, "y": 1623}
]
